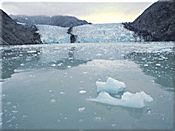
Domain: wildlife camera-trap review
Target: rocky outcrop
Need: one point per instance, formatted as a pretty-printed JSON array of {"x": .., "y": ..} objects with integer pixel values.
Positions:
[
  {"x": 63, "y": 21},
  {"x": 156, "y": 23},
  {"x": 12, "y": 33},
  {"x": 72, "y": 36}
]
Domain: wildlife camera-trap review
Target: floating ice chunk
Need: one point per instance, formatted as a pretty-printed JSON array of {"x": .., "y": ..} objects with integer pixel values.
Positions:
[
  {"x": 62, "y": 93},
  {"x": 53, "y": 65},
  {"x": 52, "y": 100},
  {"x": 82, "y": 91},
  {"x": 137, "y": 100},
  {"x": 81, "y": 109},
  {"x": 111, "y": 86},
  {"x": 158, "y": 64}
]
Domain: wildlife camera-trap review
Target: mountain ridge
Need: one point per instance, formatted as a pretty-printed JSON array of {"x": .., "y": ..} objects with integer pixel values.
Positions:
[{"x": 57, "y": 20}]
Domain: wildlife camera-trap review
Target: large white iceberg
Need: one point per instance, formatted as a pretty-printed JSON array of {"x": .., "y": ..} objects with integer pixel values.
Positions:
[
  {"x": 133, "y": 100},
  {"x": 111, "y": 86}
]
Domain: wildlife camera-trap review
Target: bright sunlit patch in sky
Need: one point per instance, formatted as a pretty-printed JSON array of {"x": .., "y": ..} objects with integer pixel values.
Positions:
[{"x": 92, "y": 12}]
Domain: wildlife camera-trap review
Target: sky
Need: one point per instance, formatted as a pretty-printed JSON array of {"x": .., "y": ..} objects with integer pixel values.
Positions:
[{"x": 94, "y": 12}]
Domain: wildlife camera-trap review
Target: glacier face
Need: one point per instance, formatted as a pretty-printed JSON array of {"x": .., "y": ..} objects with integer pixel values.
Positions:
[
  {"x": 104, "y": 33},
  {"x": 53, "y": 34},
  {"x": 92, "y": 33}
]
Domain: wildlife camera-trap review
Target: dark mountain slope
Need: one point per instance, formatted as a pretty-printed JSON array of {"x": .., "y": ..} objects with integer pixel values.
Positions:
[
  {"x": 15, "y": 34},
  {"x": 156, "y": 23}
]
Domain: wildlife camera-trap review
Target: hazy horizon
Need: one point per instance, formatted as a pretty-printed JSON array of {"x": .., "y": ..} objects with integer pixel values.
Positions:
[{"x": 91, "y": 12}]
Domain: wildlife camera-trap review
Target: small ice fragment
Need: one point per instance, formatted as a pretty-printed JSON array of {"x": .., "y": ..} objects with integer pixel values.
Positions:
[
  {"x": 81, "y": 120},
  {"x": 60, "y": 64},
  {"x": 22, "y": 64},
  {"x": 111, "y": 86},
  {"x": 98, "y": 54},
  {"x": 143, "y": 58},
  {"x": 14, "y": 111},
  {"x": 62, "y": 93},
  {"x": 82, "y": 91},
  {"x": 85, "y": 72},
  {"x": 148, "y": 111},
  {"x": 52, "y": 100},
  {"x": 158, "y": 64},
  {"x": 81, "y": 109},
  {"x": 98, "y": 118},
  {"x": 58, "y": 120},
  {"x": 14, "y": 107},
  {"x": 81, "y": 81},
  {"x": 31, "y": 51},
  {"x": 9, "y": 103},
  {"x": 113, "y": 125},
  {"x": 53, "y": 65},
  {"x": 68, "y": 66},
  {"x": 24, "y": 116},
  {"x": 50, "y": 91},
  {"x": 145, "y": 65}
]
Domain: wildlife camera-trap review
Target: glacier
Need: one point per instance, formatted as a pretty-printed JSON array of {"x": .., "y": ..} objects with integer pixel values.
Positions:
[
  {"x": 90, "y": 33},
  {"x": 53, "y": 34},
  {"x": 104, "y": 33},
  {"x": 128, "y": 99},
  {"x": 111, "y": 86}
]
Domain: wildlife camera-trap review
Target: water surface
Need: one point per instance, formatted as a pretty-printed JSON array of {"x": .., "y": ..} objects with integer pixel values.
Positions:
[{"x": 46, "y": 86}]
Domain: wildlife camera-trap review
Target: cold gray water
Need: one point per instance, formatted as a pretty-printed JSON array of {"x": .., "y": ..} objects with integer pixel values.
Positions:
[{"x": 47, "y": 86}]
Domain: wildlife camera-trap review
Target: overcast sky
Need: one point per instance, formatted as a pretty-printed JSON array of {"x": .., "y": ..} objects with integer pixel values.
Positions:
[{"x": 92, "y": 12}]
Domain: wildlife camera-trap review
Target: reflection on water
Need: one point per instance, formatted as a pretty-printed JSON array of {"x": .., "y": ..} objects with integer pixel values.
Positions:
[
  {"x": 159, "y": 65},
  {"x": 17, "y": 59},
  {"x": 68, "y": 62},
  {"x": 14, "y": 58}
]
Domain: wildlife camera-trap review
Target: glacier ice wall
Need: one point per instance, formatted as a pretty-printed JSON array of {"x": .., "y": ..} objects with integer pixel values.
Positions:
[
  {"x": 104, "y": 33},
  {"x": 92, "y": 33},
  {"x": 53, "y": 34}
]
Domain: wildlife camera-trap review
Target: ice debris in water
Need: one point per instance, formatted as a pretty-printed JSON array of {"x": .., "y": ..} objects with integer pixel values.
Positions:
[
  {"x": 52, "y": 100},
  {"x": 81, "y": 109},
  {"x": 128, "y": 99},
  {"x": 111, "y": 86},
  {"x": 82, "y": 91}
]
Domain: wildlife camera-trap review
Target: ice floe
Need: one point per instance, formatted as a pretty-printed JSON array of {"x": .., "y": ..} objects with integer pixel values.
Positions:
[
  {"x": 111, "y": 86},
  {"x": 134, "y": 100}
]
